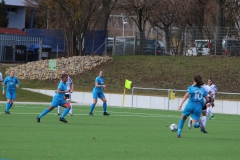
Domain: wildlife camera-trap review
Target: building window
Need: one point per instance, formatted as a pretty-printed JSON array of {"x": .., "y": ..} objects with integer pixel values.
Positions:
[{"x": 11, "y": 10}]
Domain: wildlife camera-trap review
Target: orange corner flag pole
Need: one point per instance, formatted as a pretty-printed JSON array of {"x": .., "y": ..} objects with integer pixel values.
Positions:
[
  {"x": 126, "y": 86},
  {"x": 124, "y": 91}
]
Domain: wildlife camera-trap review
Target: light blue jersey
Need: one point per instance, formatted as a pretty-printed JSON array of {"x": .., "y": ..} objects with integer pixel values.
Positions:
[
  {"x": 100, "y": 81},
  {"x": 11, "y": 83},
  {"x": 97, "y": 92},
  {"x": 193, "y": 107},
  {"x": 195, "y": 102},
  {"x": 63, "y": 87},
  {"x": 196, "y": 94}
]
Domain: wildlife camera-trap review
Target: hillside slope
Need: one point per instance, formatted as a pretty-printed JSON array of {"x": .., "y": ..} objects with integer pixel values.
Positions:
[{"x": 166, "y": 72}]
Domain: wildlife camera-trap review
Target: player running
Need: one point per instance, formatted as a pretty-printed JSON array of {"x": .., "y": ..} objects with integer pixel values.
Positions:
[
  {"x": 206, "y": 105},
  {"x": 58, "y": 100},
  {"x": 12, "y": 83},
  {"x": 70, "y": 86},
  {"x": 196, "y": 94}
]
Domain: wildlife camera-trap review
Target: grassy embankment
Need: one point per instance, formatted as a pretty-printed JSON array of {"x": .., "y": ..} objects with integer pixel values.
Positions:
[{"x": 166, "y": 72}]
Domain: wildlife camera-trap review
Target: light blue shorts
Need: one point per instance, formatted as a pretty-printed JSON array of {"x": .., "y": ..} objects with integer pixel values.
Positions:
[
  {"x": 98, "y": 95},
  {"x": 193, "y": 108},
  {"x": 11, "y": 95},
  {"x": 58, "y": 102}
]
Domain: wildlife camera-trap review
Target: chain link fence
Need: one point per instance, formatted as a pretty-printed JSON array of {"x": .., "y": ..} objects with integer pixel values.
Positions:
[{"x": 187, "y": 41}]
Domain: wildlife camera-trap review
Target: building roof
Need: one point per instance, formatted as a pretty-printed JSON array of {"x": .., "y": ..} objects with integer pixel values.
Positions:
[
  {"x": 15, "y": 3},
  {"x": 12, "y": 31}
]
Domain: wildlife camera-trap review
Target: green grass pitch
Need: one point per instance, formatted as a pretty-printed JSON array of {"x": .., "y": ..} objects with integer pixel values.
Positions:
[{"x": 127, "y": 134}]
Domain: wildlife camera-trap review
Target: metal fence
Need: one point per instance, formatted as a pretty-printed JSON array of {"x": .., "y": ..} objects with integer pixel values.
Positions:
[
  {"x": 189, "y": 41},
  {"x": 14, "y": 48}
]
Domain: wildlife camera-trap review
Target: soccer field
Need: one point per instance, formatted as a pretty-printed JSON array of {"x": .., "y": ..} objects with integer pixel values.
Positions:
[{"x": 129, "y": 134}]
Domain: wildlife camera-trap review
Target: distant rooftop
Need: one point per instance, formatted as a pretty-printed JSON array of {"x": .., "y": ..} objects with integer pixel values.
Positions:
[
  {"x": 14, "y": 31},
  {"x": 15, "y": 3}
]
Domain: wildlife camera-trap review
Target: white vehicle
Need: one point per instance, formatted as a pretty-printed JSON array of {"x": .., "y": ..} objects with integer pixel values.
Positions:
[{"x": 200, "y": 47}]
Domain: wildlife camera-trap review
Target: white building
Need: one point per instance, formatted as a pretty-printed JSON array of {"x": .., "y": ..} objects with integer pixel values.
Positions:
[{"x": 16, "y": 13}]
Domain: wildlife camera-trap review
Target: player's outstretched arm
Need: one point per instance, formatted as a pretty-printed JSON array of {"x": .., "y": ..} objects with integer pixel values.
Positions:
[
  {"x": 183, "y": 100},
  {"x": 72, "y": 87},
  {"x": 105, "y": 89},
  {"x": 3, "y": 89}
]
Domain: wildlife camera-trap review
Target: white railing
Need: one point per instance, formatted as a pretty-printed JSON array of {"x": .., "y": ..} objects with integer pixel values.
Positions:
[
  {"x": 149, "y": 102},
  {"x": 221, "y": 106},
  {"x": 155, "y": 89}
]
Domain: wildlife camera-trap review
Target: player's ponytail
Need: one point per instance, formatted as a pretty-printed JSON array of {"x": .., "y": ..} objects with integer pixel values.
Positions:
[{"x": 198, "y": 80}]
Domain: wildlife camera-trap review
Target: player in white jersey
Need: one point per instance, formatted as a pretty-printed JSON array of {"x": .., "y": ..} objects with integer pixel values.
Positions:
[
  {"x": 212, "y": 87},
  {"x": 206, "y": 105},
  {"x": 70, "y": 86}
]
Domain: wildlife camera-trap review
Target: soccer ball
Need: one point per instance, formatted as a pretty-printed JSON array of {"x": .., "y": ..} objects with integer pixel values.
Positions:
[{"x": 173, "y": 127}]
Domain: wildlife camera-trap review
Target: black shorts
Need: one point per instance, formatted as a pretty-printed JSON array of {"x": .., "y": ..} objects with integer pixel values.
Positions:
[
  {"x": 205, "y": 105},
  {"x": 67, "y": 96}
]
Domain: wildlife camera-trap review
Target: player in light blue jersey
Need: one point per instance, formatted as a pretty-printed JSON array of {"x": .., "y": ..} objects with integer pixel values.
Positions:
[
  {"x": 70, "y": 86},
  {"x": 1, "y": 80},
  {"x": 59, "y": 100},
  {"x": 196, "y": 95},
  {"x": 206, "y": 104},
  {"x": 12, "y": 83},
  {"x": 97, "y": 92}
]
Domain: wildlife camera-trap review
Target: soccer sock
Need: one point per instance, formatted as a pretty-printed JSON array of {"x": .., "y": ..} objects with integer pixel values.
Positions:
[
  {"x": 190, "y": 119},
  {"x": 92, "y": 108},
  {"x": 204, "y": 120},
  {"x": 44, "y": 112},
  {"x": 11, "y": 104},
  {"x": 104, "y": 107},
  {"x": 209, "y": 112},
  {"x": 7, "y": 106},
  {"x": 201, "y": 125},
  {"x": 65, "y": 112},
  {"x": 59, "y": 109},
  {"x": 70, "y": 111},
  {"x": 180, "y": 125}
]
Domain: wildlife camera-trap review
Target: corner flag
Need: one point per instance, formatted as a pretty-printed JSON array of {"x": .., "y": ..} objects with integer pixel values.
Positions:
[{"x": 127, "y": 86}]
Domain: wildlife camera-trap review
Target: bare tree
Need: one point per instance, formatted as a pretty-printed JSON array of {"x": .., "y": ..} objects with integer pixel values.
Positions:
[
  {"x": 219, "y": 28},
  {"x": 77, "y": 17},
  {"x": 108, "y": 6},
  {"x": 164, "y": 19},
  {"x": 74, "y": 17},
  {"x": 139, "y": 11},
  {"x": 41, "y": 12}
]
